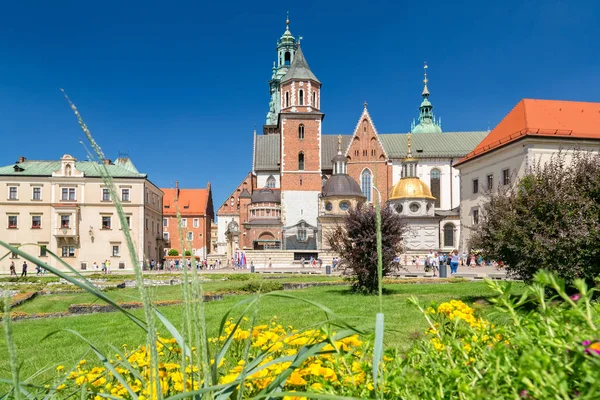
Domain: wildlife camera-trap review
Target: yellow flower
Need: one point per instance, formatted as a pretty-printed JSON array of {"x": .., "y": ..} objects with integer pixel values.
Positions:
[
  {"x": 60, "y": 368},
  {"x": 61, "y": 386}
]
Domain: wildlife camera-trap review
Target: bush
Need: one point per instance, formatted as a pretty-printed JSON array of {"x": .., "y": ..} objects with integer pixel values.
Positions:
[
  {"x": 549, "y": 220},
  {"x": 544, "y": 346},
  {"x": 188, "y": 253},
  {"x": 173, "y": 252},
  {"x": 355, "y": 242},
  {"x": 261, "y": 286}
]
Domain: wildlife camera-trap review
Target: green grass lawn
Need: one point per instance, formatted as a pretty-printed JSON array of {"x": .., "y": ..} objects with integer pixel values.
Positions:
[{"x": 403, "y": 321}]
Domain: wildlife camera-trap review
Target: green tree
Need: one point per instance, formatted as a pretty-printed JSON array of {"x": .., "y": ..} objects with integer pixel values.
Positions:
[
  {"x": 173, "y": 252},
  {"x": 355, "y": 240},
  {"x": 549, "y": 220}
]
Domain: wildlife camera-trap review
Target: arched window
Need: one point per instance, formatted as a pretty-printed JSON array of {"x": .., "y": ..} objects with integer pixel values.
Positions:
[
  {"x": 301, "y": 97},
  {"x": 301, "y": 161},
  {"x": 288, "y": 58},
  {"x": 271, "y": 182},
  {"x": 314, "y": 99},
  {"x": 68, "y": 170},
  {"x": 434, "y": 185},
  {"x": 301, "y": 131},
  {"x": 365, "y": 180},
  {"x": 287, "y": 99},
  {"x": 449, "y": 235}
]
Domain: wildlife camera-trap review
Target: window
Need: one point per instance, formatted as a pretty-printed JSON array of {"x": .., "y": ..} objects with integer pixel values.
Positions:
[
  {"x": 449, "y": 235},
  {"x": 399, "y": 208},
  {"x": 43, "y": 249},
  {"x": 475, "y": 185},
  {"x": 434, "y": 185},
  {"x": 287, "y": 99},
  {"x": 105, "y": 195},
  {"x": 372, "y": 152},
  {"x": 196, "y": 222},
  {"x": 314, "y": 99},
  {"x": 105, "y": 222},
  {"x": 165, "y": 222},
  {"x": 115, "y": 250},
  {"x": 365, "y": 179},
  {"x": 68, "y": 194},
  {"x": 356, "y": 153},
  {"x": 12, "y": 193},
  {"x": 184, "y": 222},
  {"x": 125, "y": 195},
  {"x": 301, "y": 131},
  {"x": 121, "y": 265},
  {"x": 414, "y": 207},
  {"x": 271, "y": 182},
  {"x": 146, "y": 224},
  {"x": 36, "y": 221},
  {"x": 190, "y": 236},
  {"x": 344, "y": 206},
  {"x": 301, "y": 161},
  {"x": 490, "y": 182},
  {"x": 328, "y": 206},
  {"x": 364, "y": 153},
  {"x": 128, "y": 219},
  {"x": 68, "y": 170},
  {"x": 166, "y": 235},
  {"x": 68, "y": 251},
  {"x": 301, "y": 97},
  {"x": 287, "y": 58},
  {"x": 65, "y": 221},
  {"x": 12, "y": 221},
  {"x": 301, "y": 235},
  {"x": 83, "y": 265},
  {"x": 475, "y": 216},
  {"x": 37, "y": 193},
  {"x": 506, "y": 177},
  {"x": 13, "y": 254}
]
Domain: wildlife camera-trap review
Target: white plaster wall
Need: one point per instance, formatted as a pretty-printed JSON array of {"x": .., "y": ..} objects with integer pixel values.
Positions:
[
  {"x": 262, "y": 176},
  {"x": 297, "y": 205},
  {"x": 222, "y": 222},
  {"x": 421, "y": 235}
]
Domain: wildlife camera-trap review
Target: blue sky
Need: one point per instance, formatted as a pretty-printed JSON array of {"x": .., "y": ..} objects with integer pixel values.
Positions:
[{"x": 180, "y": 85}]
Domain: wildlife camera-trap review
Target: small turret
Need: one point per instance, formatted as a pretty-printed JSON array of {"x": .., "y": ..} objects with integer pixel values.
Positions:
[{"x": 427, "y": 122}]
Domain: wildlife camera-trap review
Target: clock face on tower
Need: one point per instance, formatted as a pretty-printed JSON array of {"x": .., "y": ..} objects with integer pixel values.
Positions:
[{"x": 233, "y": 226}]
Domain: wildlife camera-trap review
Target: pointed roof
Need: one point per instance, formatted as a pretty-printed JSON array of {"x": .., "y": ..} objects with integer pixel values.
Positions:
[
  {"x": 547, "y": 118},
  {"x": 299, "y": 70},
  {"x": 365, "y": 115},
  {"x": 190, "y": 201}
]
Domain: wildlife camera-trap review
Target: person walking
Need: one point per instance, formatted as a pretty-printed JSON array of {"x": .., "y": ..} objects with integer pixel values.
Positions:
[
  {"x": 270, "y": 263},
  {"x": 13, "y": 272},
  {"x": 454, "y": 262},
  {"x": 108, "y": 270},
  {"x": 24, "y": 272}
]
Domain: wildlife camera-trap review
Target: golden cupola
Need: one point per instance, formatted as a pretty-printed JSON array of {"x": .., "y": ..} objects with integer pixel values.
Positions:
[{"x": 410, "y": 186}]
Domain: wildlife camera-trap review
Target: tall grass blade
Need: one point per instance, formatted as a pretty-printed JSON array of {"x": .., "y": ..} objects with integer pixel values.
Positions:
[
  {"x": 12, "y": 352},
  {"x": 377, "y": 347}
]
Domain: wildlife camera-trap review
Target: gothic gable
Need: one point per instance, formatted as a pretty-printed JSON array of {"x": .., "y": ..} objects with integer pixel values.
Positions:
[
  {"x": 365, "y": 145},
  {"x": 231, "y": 205}
]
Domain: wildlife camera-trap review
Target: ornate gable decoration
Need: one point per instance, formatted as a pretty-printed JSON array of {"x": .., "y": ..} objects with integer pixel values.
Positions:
[
  {"x": 67, "y": 168},
  {"x": 365, "y": 116}
]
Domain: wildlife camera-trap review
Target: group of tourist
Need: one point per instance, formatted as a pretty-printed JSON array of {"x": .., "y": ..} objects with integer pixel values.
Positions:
[
  {"x": 13, "y": 269},
  {"x": 106, "y": 269}
]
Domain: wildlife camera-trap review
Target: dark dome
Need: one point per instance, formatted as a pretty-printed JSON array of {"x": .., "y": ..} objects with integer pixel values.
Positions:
[
  {"x": 339, "y": 158},
  {"x": 266, "y": 195},
  {"x": 341, "y": 185}
]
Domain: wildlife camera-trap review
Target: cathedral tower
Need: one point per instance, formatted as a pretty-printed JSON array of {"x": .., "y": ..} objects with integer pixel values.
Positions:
[
  {"x": 427, "y": 122},
  {"x": 286, "y": 50},
  {"x": 300, "y": 126}
]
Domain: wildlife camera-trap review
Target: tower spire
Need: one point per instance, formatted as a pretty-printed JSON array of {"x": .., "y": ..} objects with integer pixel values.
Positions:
[
  {"x": 409, "y": 152},
  {"x": 339, "y": 145},
  {"x": 425, "y": 93}
]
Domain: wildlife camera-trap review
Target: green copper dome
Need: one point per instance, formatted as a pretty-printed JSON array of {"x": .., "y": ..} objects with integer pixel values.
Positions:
[{"x": 427, "y": 122}]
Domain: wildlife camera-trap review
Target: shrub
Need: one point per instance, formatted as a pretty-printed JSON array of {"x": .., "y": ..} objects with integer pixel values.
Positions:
[
  {"x": 173, "y": 252},
  {"x": 187, "y": 253},
  {"x": 549, "y": 220},
  {"x": 355, "y": 241},
  {"x": 256, "y": 286}
]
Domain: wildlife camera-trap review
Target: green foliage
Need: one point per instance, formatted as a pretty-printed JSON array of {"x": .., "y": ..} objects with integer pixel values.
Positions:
[
  {"x": 549, "y": 220},
  {"x": 261, "y": 286},
  {"x": 188, "y": 253},
  {"x": 356, "y": 243},
  {"x": 545, "y": 348},
  {"x": 173, "y": 252},
  {"x": 31, "y": 279}
]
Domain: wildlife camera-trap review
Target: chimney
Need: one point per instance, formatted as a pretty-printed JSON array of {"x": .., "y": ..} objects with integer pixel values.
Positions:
[
  {"x": 107, "y": 161},
  {"x": 22, "y": 159}
]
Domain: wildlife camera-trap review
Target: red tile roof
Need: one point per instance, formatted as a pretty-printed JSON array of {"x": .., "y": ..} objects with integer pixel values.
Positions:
[
  {"x": 196, "y": 201},
  {"x": 547, "y": 118}
]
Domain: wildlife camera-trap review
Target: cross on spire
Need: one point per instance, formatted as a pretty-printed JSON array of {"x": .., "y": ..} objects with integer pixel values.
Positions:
[{"x": 365, "y": 104}]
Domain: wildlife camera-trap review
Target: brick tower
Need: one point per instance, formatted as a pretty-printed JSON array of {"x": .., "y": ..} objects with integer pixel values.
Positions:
[{"x": 300, "y": 126}]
